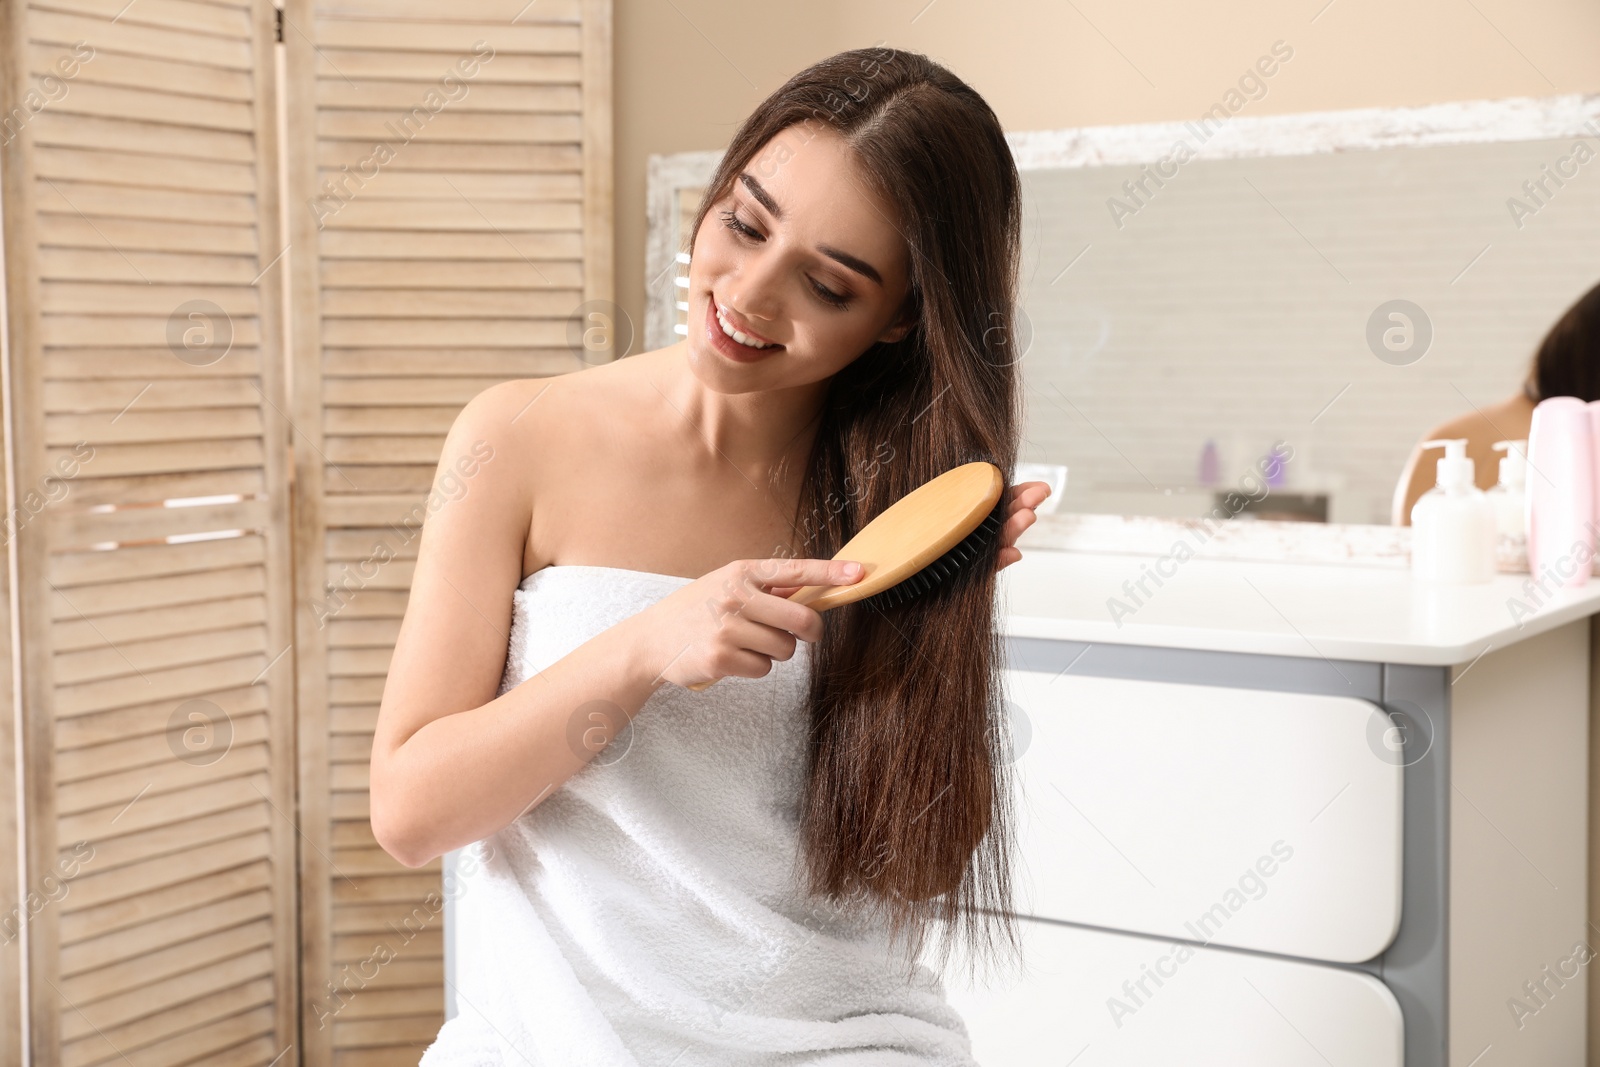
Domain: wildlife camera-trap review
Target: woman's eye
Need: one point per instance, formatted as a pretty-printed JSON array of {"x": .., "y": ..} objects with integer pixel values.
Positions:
[
  {"x": 737, "y": 225},
  {"x": 734, "y": 223},
  {"x": 830, "y": 296}
]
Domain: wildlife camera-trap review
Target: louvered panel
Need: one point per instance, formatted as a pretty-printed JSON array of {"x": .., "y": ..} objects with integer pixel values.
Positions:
[
  {"x": 79, "y": 131},
  {"x": 230, "y": 1039},
  {"x": 353, "y": 719},
  {"x": 334, "y": 96},
  {"x": 170, "y": 1021},
  {"x": 146, "y": 299},
  {"x": 129, "y": 723},
  {"x": 13, "y": 966},
  {"x": 164, "y": 622},
  {"x": 529, "y": 246},
  {"x": 435, "y": 274},
  {"x": 193, "y": 894},
  {"x": 159, "y": 809},
  {"x": 120, "y": 102},
  {"x": 229, "y": 21},
  {"x": 147, "y": 936},
  {"x": 107, "y": 33},
  {"x": 172, "y": 457},
  {"x": 448, "y": 304},
  {"x": 65, "y": 228},
  {"x": 91, "y": 767},
  {"x": 215, "y": 576},
  {"x": 114, "y": 362},
  {"x": 457, "y": 158},
  {"x": 112, "y": 68},
  {"x": 353, "y": 420},
  {"x": 148, "y": 172},
  {"x": 551, "y": 11},
  {"x": 168, "y": 962},
  {"x": 449, "y": 260},
  {"x": 141, "y": 219},
  {"x": 164, "y": 841},
  {"x": 153, "y": 1008}
]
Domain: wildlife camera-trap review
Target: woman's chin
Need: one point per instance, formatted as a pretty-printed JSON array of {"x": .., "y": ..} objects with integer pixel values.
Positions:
[{"x": 717, "y": 373}]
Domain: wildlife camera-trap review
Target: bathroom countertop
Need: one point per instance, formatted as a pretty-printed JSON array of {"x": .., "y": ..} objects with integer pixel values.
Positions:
[{"x": 1337, "y": 610}]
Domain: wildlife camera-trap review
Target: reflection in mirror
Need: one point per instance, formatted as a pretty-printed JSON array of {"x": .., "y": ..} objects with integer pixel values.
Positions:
[{"x": 1337, "y": 307}]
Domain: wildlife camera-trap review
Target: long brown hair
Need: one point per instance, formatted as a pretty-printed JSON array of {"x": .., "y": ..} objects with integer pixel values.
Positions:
[
  {"x": 908, "y": 805},
  {"x": 1568, "y": 360}
]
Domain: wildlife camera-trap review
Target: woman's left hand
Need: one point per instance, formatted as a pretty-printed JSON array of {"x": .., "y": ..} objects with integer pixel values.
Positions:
[{"x": 1025, "y": 497}]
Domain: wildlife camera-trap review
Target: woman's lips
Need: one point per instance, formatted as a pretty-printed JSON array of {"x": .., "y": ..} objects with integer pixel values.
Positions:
[
  {"x": 727, "y": 345},
  {"x": 741, "y": 328}
]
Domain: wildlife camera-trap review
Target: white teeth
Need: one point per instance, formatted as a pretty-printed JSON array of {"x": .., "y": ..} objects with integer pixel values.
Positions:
[{"x": 742, "y": 338}]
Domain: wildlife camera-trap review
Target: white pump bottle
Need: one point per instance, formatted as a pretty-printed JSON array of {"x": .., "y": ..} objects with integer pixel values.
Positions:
[
  {"x": 1453, "y": 524},
  {"x": 1510, "y": 498}
]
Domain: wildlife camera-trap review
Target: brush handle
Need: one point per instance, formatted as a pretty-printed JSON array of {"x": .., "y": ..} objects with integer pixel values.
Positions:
[{"x": 804, "y": 595}]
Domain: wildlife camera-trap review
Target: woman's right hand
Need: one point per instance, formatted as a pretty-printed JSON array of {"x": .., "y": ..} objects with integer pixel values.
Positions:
[{"x": 731, "y": 622}]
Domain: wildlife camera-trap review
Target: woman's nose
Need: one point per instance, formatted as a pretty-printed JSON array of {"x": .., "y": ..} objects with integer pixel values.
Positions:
[{"x": 756, "y": 293}]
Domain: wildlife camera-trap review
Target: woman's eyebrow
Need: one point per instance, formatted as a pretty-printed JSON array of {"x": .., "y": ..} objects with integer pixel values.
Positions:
[
  {"x": 860, "y": 266},
  {"x": 764, "y": 198}
]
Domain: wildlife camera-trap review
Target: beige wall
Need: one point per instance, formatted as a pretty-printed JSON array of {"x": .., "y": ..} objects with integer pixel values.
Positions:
[{"x": 689, "y": 71}]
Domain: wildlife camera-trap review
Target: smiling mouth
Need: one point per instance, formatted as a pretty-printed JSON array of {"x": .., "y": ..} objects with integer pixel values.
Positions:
[{"x": 737, "y": 335}]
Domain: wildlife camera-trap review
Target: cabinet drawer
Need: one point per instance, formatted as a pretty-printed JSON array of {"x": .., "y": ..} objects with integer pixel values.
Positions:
[
  {"x": 1259, "y": 819},
  {"x": 1213, "y": 1007}
]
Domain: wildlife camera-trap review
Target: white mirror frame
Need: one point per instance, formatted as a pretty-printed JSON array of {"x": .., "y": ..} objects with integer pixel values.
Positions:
[{"x": 1309, "y": 133}]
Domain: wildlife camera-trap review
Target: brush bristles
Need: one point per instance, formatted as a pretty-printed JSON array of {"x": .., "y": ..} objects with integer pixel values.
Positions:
[{"x": 974, "y": 546}]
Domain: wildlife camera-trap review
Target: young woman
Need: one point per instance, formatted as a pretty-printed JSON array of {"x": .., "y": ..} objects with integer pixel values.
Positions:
[{"x": 672, "y": 876}]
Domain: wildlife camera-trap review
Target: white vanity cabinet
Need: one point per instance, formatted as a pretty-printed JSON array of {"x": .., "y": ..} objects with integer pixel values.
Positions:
[
  {"x": 1241, "y": 817},
  {"x": 1212, "y": 1009},
  {"x": 1348, "y": 831}
]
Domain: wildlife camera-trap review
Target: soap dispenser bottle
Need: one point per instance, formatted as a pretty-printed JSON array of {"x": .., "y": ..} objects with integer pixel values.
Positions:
[
  {"x": 1452, "y": 524},
  {"x": 1509, "y": 497}
]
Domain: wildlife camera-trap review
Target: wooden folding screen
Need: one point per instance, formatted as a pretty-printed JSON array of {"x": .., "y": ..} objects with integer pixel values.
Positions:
[
  {"x": 450, "y": 202},
  {"x": 11, "y": 919},
  {"x": 147, "y": 408}
]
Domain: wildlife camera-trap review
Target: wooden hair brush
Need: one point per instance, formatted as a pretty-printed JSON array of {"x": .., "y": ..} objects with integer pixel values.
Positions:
[{"x": 916, "y": 542}]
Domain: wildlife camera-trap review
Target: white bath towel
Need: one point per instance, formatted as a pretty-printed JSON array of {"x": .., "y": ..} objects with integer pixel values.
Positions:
[{"x": 650, "y": 911}]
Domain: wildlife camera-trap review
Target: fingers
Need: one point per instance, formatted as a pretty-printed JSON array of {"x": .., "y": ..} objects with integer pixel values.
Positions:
[
  {"x": 747, "y": 649},
  {"x": 757, "y": 590},
  {"x": 769, "y": 582},
  {"x": 782, "y": 616},
  {"x": 728, "y": 661},
  {"x": 1028, "y": 495},
  {"x": 759, "y": 639},
  {"x": 1025, "y": 497},
  {"x": 1014, "y": 526},
  {"x": 782, "y": 571}
]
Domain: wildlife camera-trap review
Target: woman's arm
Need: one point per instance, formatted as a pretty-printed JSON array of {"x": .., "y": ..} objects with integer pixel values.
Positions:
[{"x": 453, "y": 763}]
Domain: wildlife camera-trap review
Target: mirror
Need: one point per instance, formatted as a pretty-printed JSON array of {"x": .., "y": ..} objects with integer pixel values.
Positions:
[{"x": 1311, "y": 294}]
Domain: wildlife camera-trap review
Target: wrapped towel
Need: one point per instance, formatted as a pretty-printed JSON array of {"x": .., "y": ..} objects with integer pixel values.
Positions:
[{"x": 651, "y": 910}]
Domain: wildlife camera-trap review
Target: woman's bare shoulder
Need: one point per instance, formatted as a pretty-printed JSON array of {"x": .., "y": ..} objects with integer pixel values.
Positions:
[
  {"x": 1509, "y": 416},
  {"x": 543, "y": 423},
  {"x": 558, "y": 401},
  {"x": 532, "y": 411}
]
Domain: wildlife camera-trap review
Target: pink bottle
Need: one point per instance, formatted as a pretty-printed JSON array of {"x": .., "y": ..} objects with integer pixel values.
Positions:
[
  {"x": 1594, "y": 440},
  {"x": 1561, "y": 492}
]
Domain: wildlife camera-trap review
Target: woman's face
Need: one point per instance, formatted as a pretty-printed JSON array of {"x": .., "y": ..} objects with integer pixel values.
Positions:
[{"x": 799, "y": 252}]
